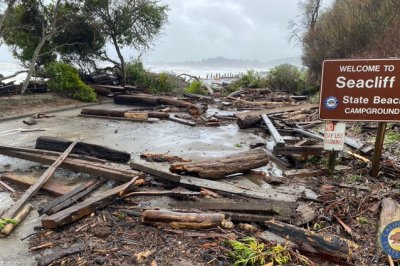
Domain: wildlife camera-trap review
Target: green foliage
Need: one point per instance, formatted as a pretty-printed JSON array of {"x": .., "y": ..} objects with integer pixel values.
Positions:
[
  {"x": 65, "y": 80},
  {"x": 362, "y": 220},
  {"x": 5, "y": 221},
  {"x": 352, "y": 29},
  {"x": 249, "y": 251},
  {"x": 249, "y": 80},
  {"x": 195, "y": 88},
  {"x": 157, "y": 83},
  {"x": 391, "y": 137},
  {"x": 314, "y": 98}
]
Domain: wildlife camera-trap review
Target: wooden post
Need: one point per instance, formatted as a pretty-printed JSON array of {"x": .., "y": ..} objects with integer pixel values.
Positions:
[
  {"x": 332, "y": 161},
  {"x": 380, "y": 137}
]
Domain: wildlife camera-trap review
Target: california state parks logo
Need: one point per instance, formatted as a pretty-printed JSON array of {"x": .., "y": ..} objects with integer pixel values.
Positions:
[
  {"x": 390, "y": 239},
  {"x": 331, "y": 102}
]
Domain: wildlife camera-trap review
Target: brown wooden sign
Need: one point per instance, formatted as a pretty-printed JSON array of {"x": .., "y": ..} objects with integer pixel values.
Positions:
[{"x": 360, "y": 90}]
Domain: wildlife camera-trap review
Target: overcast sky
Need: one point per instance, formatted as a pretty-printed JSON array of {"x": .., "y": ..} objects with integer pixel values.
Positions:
[{"x": 238, "y": 29}]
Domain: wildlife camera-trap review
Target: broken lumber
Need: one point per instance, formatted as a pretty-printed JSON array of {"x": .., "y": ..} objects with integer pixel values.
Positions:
[
  {"x": 82, "y": 209},
  {"x": 273, "y": 194},
  {"x": 272, "y": 130},
  {"x": 178, "y": 220},
  {"x": 182, "y": 121},
  {"x": 70, "y": 198},
  {"x": 322, "y": 243},
  {"x": 82, "y": 148},
  {"x": 221, "y": 167},
  {"x": 41, "y": 181},
  {"x": 148, "y": 100},
  {"x": 253, "y": 118},
  {"x": 60, "y": 253},
  {"x": 108, "y": 171},
  {"x": 120, "y": 113},
  {"x": 301, "y": 150},
  {"x": 19, "y": 217},
  {"x": 161, "y": 158},
  {"x": 26, "y": 180}
]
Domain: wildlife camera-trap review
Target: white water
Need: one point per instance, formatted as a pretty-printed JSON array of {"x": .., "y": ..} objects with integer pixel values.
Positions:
[{"x": 9, "y": 68}]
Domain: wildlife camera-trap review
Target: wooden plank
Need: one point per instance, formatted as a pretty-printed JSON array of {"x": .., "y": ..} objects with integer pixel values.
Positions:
[
  {"x": 82, "y": 148},
  {"x": 71, "y": 197},
  {"x": 181, "y": 121},
  {"x": 303, "y": 150},
  {"x": 278, "y": 110},
  {"x": 275, "y": 134},
  {"x": 82, "y": 209},
  {"x": 27, "y": 180},
  {"x": 108, "y": 171},
  {"x": 194, "y": 182},
  {"x": 117, "y": 118},
  {"x": 304, "y": 172},
  {"x": 41, "y": 181}
]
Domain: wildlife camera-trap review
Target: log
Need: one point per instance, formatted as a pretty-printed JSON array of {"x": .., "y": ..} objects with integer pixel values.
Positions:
[
  {"x": 21, "y": 215},
  {"x": 117, "y": 118},
  {"x": 41, "y": 181},
  {"x": 137, "y": 116},
  {"x": 182, "y": 121},
  {"x": 27, "y": 181},
  {"x": 120, "y": 113},
  {"x": 82, "y": 148},
  {"x": 147, "y": 100},
  {"x": 70, "y": 198},
  {"x": 330, "y": 245},
  {"x": 390, "y": 213},
  {"x": 82, "y": 209},
  {"x": 183, "y": 220},
  {"x": 221, "y": 167}
]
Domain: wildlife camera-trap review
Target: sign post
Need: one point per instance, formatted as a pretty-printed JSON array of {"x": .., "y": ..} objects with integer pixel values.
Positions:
[
  {"x": 334, "y": 135},
  {"x": 362, "y": 90}
]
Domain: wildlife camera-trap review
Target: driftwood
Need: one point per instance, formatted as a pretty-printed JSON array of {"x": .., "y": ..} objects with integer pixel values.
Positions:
[
  {"x": 182, "y": 121},
  {"x": 27, "y": 181},
  {"x": 390, "y": 213},
  {"x": 82, "y": 209},
  {"x": 179, "y": 220},
  {"x": 221, "y": 167},
  {"x": 60, "y": 253},
  {"x": 70, "y": 198},
  {"x": 21, "y": 215},
  {"x": 160, "y": 158},
  {"x": 147, "y": 100},
  {"x": 82, "y": 148},
  {"x": 253, "y": 118},
  {"x": 316, "y": 243},
  {"x": 118, "y": 118},
  {"x": 41, "y": 181},
  {"x": 108, "y": 171},
  {"x": 272, "y": 130},
  {"x": 120, "y": 113}
]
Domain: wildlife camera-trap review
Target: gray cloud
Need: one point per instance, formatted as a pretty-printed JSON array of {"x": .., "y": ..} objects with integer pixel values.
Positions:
[{"x": 241, "y": 29}]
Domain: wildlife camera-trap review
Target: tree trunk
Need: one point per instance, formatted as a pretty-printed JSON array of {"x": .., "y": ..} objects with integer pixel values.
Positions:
[
  {"x": 121, "y": 113},
  {"x": 121, "y": 59},
  {"x": 183, "y": 220},
  {"x": 221, "y": 167},
  {"x": 148, "y": 100}
]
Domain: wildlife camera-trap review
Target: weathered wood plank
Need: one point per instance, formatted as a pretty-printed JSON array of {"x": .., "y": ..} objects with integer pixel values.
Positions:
[
  {"x": 41, "y": 181},
  {"x": 82, "y": 148},
  {"x": 49, "y": 187},
  {"x": 82, "y": 209},
  {"x": 274, "y": 133}
]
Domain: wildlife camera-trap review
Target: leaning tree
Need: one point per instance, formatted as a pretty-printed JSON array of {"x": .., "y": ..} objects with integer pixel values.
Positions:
[{"x": 127, "y": 23}]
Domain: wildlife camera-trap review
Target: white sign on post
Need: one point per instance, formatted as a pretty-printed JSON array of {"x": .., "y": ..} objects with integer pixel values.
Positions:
[{"x": 334, "y": 136}]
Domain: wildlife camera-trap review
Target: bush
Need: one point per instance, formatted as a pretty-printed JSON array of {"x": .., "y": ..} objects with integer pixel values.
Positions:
[
  {"x": 195, "y": 88},
  {"x": 249, "y": 80},
  {"x": 288, "y": 78},
  {"x": 65, "y": 80},
  {"x": 157, "y": 83}
]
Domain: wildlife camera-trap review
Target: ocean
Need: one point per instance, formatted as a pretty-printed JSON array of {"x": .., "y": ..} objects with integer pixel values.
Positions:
[{"x": 9, "y": 68}]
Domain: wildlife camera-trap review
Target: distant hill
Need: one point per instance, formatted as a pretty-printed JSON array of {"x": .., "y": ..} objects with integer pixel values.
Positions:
[{"x": 220, "y": 61}]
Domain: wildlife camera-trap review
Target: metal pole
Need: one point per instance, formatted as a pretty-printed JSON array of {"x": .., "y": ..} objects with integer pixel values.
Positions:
[{"x": 380, "y": 137}]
